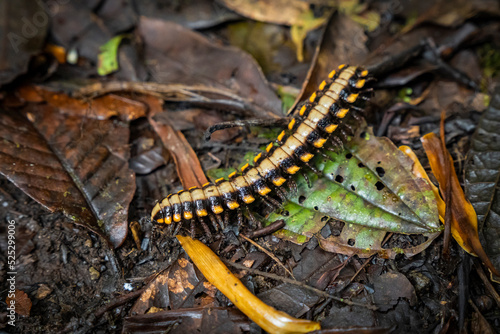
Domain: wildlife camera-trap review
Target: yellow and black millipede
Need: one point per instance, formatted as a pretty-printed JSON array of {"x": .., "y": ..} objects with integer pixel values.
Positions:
[{"x": 314, "y": 122}]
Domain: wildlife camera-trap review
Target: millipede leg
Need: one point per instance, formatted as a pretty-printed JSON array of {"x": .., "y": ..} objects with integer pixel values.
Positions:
[
  {"x": 281, "y": 194},
  {"x": 337, "y": 142},
  {"x": 171, "y": 229},
  {"x": 214, "y": 223},
  {"x": 177, "y": 228},
  {"x": 226, "y": 219},
  {"x": 326, "y": 156},
  {"x": 341, "y": 133},
  {"x": 314, "y": 169},
  {"x": 366, "y": 94},
  {"x": 307, "y": 178},
  {"x": 274, "y": 203},
  {"x": 253, "y": 220},
  {"x": 219, "y": 220},
  {"x": 347, "y": 130},
  {"x": 239, "y": 217},
  {"x": 269, "y": 205},
  {"x": 354, "y": 107},
  {"x": 356, "y": 115},
  {"x": 205, "y": 227},
  {"x": 292, "y": 185},
  {"x": 192, "y": 228}
]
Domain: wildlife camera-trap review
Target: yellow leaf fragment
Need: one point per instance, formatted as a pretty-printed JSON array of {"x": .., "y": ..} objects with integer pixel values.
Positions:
[
  {"x": 216, "y": 272},
  {"x": 306, "y": 23}
]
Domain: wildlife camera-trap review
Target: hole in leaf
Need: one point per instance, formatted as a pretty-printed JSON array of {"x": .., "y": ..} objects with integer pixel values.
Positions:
[
  {"x": 362, "y": 135},
  {"x": 351, "y": 242},
  {"x": 348, "y": 156},
  {"x": 336, "y": 226},
  {"x": 302, "y": 199},
  {"x": 380, "y": 171},
  {"x": 379, "y": 162},
  {"x": 339, "y": 179},
  {"x": 379, "y": 185},
  {"x": 199, "y": 295},
  {"x": 360, "y": 165},
  {"x": 353, "y": 188},
  {"x": 285, "y": 213},
  {"x": 316, "y": 208},
  {"x": 324, "y": 219}
]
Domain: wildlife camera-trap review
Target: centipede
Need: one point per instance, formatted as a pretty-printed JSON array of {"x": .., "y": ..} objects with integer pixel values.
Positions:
[{"x": 316, "y": 124}]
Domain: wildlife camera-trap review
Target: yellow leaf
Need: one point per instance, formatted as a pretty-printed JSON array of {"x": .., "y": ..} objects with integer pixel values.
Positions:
[{"x": 216, "y": 272}]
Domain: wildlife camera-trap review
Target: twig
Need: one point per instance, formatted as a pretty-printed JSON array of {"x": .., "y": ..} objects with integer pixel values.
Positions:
[
  {"x": 273, "y": 227},
  {"x": 301, "y": 284},
  {"x": 271, "y": 255}
]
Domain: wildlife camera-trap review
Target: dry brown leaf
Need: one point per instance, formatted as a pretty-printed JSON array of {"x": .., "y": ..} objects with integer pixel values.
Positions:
[
  {"x": 463, "y": 217},
  {"x": 21, "y": 301}
]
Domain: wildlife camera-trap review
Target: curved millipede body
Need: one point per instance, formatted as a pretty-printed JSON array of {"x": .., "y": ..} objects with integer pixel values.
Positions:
[{"x": 314, "y": 122}]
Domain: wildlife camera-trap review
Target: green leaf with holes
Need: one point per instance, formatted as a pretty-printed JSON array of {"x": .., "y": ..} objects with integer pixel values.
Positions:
[{"x": 369, "y": 187}]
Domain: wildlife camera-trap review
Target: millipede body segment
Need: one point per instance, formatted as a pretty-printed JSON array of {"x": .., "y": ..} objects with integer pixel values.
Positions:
[{"x": 313, "y": 123}]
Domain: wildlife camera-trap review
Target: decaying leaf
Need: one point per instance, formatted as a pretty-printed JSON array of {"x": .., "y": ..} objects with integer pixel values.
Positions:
[
  {"x": 370, "y": 187},
  {"x": 187, "y": 163},
  {"x": 280, "y": 12},
  {"x": 343, "y": 42},
  {"x": 74, "y": 165},
  {"x": 465, "y": 218},
  {"x": 17, "y": 45},
  {"x": 482, "y": 177},
  {"x": 300, "y": 30},
  {"x": 103, "y": 107},
  {"x": 21, "y": 302},
  {"x": 185, "y": 57}
]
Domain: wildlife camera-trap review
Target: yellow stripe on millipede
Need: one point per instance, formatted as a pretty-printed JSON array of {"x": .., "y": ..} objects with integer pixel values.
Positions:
[
  {"x": 302, "y": 110},
  {"x": 360, "y": 83},
  {"x": 279, "y": 181},
  {"x": 352, "y": 98},
  {"x": 291, "y": 124},
  {"x": 330, "y": 128},
  {"x": 280, "y": 138},
  {"x": 341, "y": 113},
  {"x": 257, "y": 157},
  {"x": 202, "y": 213},
  {"x": 312, "y": 97}
]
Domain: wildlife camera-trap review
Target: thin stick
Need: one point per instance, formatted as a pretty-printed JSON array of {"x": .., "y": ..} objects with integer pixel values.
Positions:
[
  {"x": 301, "y": 284},
  {"x": 271, "y": 255}
]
